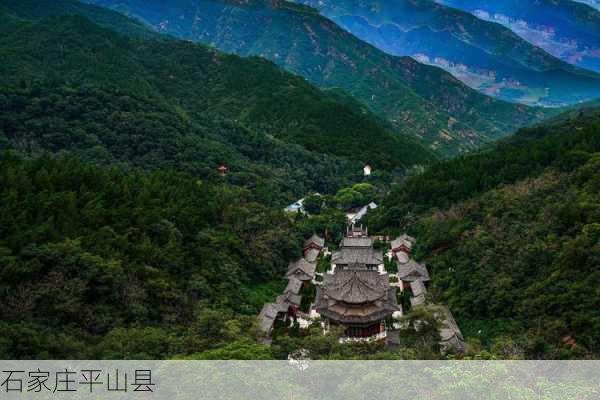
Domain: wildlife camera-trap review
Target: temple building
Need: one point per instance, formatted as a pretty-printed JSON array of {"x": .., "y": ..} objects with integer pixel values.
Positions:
[
  {"x": 450, "y": 334},
  {"x": 357, "y": 249},
  {"x": 300, "y": 274},
  {"x": 301, "y": 270},
  {"x": 411, "y": 271},
  {"x": 357, "y": 242},
  {"x": 358, "y": 299},
  {"x": 418, "y": 293},
  {"x": 270, "y": 313},
  {"x": 356, "y": 293},
  {"x": 402, "y": 246},
  {"x": 372, "y": 260},
  {"x": 313, "y": 247}
]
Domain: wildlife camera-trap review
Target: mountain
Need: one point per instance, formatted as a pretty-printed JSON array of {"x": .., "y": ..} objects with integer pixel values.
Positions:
[
  {"x": 512, "y": 240},
  {"x": 484, "y": 55},
  {"x": 566, "y": 29},
  {"x": 418, "y": 100},
  {"x": 68, "y": 84},
  {"x": 33, "y": 10},
  {"x": 592, "y": 3}
]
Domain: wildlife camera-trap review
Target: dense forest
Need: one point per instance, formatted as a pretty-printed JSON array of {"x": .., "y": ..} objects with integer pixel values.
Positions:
[
  {"x": 103, "y": 263},
  {"x": 94, "y": 258},
  {"x": 511, "y": 237},
  {"x": 113, "y": 127},
  {"x": 219, "y": 108}
]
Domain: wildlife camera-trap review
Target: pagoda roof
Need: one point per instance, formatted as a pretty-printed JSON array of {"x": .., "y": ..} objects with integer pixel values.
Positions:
[
  {"x": 345, "y": 313},
  {"x": 356, "y": 286},
  {"x": 356, "y": 296}
]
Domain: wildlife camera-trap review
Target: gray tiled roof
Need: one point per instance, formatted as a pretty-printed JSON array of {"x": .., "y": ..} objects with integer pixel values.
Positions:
[
  {"x": 450, "y": 334},
  {"x": 357, "y": 255},
  {"x": 311, "y": 255},
  {"x": 404, "y": 239},
  {"x": 417, "y": 288},
  {"x": 449, "y": 326},
  {"x": 356, "y": 286},
  {"x": 287, "y": 299},
  {"x": 302, "y": 270},
  {"x": 344, "y": 313},
  {"x": 294, "y": 285},
  {"x": 270, "y": 311},
  {"x": 319, "y": 241},
  {"x": 418, "y": 293},
  {"x": 412, "y": 270},
  {"x": 364, "y": 241},
  {"x": 417, "y": 301},
  {"x": 267, "y": 317}
]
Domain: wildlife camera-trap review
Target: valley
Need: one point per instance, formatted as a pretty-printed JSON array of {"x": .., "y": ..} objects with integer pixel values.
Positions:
[{"x": 225, "y": 180}]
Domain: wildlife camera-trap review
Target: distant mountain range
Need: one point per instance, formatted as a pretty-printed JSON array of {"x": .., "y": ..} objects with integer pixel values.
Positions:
[
  {"x": 566, "y": 29},
  {"x": 484, "y": 55},
  {"x": 418, "y": 100},
  {"x": 592, "y": 3}
]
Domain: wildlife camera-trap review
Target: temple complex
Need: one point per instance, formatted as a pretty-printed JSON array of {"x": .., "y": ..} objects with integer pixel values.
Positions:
[{"x": 356, "y": 292}]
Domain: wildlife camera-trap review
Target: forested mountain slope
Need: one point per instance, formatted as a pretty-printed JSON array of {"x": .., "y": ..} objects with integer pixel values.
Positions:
[
  {"x": 484, "y": 55},
  {"x": 592, "y": 3},
  {"x": 68, "y": 84},
  {"x": 101, "y": 263},
  {"x": 512, "y": 238},
  {"x": 418, "y": 100},
  {"x": 567, "y": 29},
  {"x": 36, "y": 9}
]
